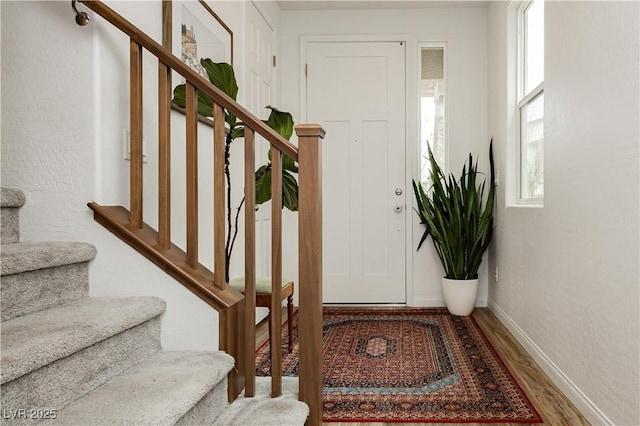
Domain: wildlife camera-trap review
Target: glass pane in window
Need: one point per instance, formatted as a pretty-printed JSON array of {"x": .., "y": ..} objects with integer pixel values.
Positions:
[
  {"x": 532, "y": 148},
  {"x": 432, "y": 120},
  {"x": 533, "y": 45}
]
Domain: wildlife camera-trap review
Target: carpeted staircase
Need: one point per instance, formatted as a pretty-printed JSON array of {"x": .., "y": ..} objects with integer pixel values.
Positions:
[{"x": 67, "y": 358}]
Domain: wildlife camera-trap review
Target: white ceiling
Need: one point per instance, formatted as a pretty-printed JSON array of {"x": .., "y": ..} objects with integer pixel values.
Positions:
[{"x": 375, "y": 4}]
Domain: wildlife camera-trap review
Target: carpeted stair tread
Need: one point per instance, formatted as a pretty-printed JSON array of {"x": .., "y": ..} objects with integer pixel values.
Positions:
[
  {"x": 31, "y": 256},
  {"x": 158, "y": 391},
  {"x": 35, "y": 340},
  {"x": 12, "y": 198},
  {"x": 264, "y": 410}
]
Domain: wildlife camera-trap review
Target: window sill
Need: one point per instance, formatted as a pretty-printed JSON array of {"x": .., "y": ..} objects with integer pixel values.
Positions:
[{"x": 530, "y": 204}]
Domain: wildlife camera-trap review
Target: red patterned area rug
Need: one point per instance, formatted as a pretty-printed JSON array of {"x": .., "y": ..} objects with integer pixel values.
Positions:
[{"x": 409, "y": 365}]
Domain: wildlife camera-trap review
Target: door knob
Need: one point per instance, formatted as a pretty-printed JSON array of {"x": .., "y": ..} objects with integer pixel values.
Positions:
[
  {"x": 398, "y": 191},
  {"x": 398, "y": 208}
]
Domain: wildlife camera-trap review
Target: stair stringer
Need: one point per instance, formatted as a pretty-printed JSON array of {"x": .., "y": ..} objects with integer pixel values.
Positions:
[{"x": 200, "y": 281}]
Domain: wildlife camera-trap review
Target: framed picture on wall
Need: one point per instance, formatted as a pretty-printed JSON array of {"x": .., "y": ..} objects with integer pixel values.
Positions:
[
  {"x": 193, "y": 31},
  {"x": 198, "y": 32}
]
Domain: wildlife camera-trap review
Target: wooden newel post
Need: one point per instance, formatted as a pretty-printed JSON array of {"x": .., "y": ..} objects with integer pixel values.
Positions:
[{"x": 310, "y": 258}]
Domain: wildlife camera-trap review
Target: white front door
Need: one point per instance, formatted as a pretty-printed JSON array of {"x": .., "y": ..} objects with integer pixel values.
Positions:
[{"x": 356, "y": 90}]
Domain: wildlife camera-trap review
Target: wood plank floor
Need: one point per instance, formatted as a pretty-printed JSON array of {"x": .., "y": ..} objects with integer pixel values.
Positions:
[{"x": 553, "y": 406}]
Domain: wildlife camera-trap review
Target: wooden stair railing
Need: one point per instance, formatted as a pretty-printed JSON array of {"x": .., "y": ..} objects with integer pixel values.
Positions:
[{"x": 237, "y": 313}]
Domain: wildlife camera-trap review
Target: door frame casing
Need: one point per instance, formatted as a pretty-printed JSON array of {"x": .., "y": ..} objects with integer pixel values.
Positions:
[{"x": 411, "y": 103}]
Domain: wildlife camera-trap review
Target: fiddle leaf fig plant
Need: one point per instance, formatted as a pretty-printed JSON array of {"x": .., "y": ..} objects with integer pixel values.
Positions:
[
  {"x": 452, "y": 211},
  {"x": 223, "y": 77}
]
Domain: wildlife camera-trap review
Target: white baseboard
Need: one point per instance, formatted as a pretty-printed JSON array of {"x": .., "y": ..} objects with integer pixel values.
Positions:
[
  {"x": 575, "y": 395},
  {"x": 439, "y": 303}
]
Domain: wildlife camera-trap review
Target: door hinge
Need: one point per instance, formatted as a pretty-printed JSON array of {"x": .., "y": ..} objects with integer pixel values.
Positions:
[
  {"x": 306, "y": 70},
  {"x": 274, "y": 61}
]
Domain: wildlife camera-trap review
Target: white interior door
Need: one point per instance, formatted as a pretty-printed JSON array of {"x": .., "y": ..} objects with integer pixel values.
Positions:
[
  {"x": 357, "y": 92},
  {"x": 261, "y": 76}
]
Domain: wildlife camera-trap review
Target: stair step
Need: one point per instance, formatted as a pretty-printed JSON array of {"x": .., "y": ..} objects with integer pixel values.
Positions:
[
  {"x": 52, "y": 357},
  {"x": 35, "y": 340},
  {"x": 10, "y": 202},
  {"x": 10, "y": 197},
  {"x": 25, "y": 257},
  {"x": 169, "y": 388},
  {"x": 264, "y": 411},
  {"x": 284, "y": 410},
  {"x": 37, "y": 276}
]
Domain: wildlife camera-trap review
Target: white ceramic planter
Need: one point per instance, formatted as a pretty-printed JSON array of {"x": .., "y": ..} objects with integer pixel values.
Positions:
[{"x": 460, "y": 295}]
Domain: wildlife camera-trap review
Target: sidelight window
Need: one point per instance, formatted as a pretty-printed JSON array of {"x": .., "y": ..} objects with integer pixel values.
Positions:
[{"x": 432, "y": 108}]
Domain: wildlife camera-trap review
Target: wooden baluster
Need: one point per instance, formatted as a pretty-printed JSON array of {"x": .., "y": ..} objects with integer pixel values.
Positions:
[
  {"x": 310, "y": 266},
  {"x": 164, "y": 134},
  {"x": 192, "y": 174},
  {"x": 164, "y": 155},
  {"x": 276, "y": 272},
  {"x": 250, "y": 260},
  {"x": 167, "y": 21},
  {"x": 232, "y": 331},
  {"x": 219, "y": 207},
  {"x": 135, "y": 97}
]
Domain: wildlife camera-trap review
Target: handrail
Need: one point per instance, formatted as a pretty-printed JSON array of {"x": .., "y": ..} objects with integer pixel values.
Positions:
[{"x": 196, "y": 79}]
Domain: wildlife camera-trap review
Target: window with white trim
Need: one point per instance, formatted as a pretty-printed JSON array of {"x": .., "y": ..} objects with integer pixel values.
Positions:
[{"x": 531, "y": 102}]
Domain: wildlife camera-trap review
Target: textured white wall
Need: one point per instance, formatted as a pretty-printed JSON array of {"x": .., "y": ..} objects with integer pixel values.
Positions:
[
  {"x": 47, "y": 121},
  {"x": 569, "y": 272},
  {"x": 465, "y": 32}
]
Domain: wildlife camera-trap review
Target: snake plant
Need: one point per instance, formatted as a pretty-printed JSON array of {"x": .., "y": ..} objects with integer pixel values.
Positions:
[{"x": 457, "y": 216}]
